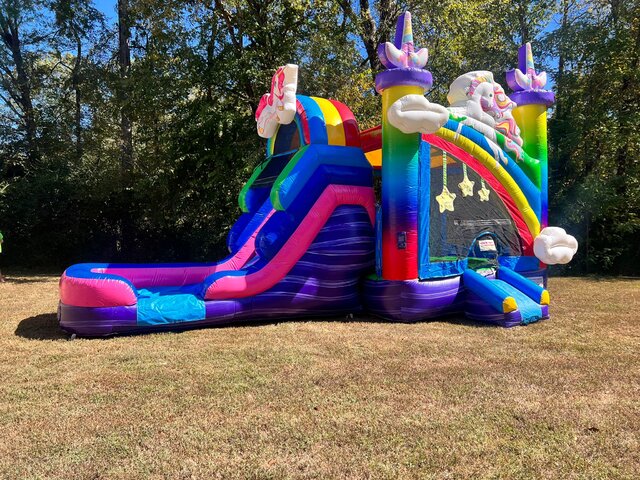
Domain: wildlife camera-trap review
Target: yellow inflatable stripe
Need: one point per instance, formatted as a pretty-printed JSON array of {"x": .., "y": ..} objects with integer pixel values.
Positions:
[
  {"x": 509, "y": 305},
  {"x": 544, "y": 298},
  {"x": 333, "y": 121},
  {"x": 499, "y": 172}
]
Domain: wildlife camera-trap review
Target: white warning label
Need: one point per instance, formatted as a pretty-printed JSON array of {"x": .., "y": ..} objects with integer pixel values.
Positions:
[{"x": 487, "y": 245}]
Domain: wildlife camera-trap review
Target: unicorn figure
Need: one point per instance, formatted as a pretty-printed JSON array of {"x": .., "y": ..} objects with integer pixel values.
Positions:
[
  {"x": 478, "y": 96},
  {"x": 279, "y": 106},
  {"x": 472, "y": 95},
  {"x": 505, "y": 123}
]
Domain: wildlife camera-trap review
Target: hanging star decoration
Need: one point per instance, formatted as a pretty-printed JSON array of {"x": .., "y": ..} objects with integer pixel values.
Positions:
[
  {"x": 528, "y": 79},
  {"x": 446, "y": 198},
  {"x": 403, "y": 54},
  {"x": 484, "y": 192},
  {"x": 466, "y": 185}
]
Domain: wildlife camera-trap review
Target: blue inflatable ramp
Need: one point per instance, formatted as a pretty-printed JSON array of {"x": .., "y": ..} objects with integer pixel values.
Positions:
[{"x": 507, "y": 299}]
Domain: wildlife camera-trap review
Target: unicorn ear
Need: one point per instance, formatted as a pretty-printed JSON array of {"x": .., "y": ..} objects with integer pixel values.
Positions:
[
  {"x": 279, "y": 106},
  {"x": 522, "y": 79},
  {"x": 261, "y": 106},
  {"x": 396, "y": 56},
  {"x": 419, "y": 59},
  {"x": 539, "y": 80},
  {"x": 290, "y": 71},
  {"x": 286, "y": 98}
]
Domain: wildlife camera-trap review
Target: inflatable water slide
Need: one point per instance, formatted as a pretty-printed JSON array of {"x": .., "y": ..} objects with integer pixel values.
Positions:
[
  {"x": 459, "y": 226},
  {"x": 301, "y": 246}
]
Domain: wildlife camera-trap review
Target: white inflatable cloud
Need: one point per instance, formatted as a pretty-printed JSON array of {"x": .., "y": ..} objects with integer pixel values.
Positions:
[
  {"x": 555, "y": 246},
  {"x": 414, "y": 113}
]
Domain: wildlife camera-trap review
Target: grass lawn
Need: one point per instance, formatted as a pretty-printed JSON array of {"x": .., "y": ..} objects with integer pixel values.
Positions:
[{"x": 359, "y": 399}]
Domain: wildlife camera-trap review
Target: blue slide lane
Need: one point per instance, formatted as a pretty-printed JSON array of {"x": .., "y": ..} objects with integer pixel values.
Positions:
[
  {"x": 529, "y": 310},
  {"x": 495, "y": 291}
]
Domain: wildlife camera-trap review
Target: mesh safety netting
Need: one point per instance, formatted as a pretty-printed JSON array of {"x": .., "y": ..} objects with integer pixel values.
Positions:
[{"x": 463, "y": 208}]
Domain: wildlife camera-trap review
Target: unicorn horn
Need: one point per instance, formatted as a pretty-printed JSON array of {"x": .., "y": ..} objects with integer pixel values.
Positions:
[{"x": 404, "y": 32}]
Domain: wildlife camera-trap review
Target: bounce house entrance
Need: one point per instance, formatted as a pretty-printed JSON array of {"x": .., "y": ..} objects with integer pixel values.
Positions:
[
  {"x": 469, "y": 226},
  {"x": 485, "y": 250}
]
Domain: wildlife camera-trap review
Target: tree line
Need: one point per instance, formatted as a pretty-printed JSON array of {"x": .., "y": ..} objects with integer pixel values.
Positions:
[{"x": 126, "y": 136}]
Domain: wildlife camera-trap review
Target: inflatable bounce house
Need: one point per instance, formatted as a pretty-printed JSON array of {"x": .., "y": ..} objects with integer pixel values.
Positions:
[{"x": 460, "y": 226}]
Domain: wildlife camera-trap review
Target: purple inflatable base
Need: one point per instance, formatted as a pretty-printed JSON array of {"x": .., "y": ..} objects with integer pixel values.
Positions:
[
  {"x": 291, "y": 298},
  {"x": 410, "y": 301},
  {"x": 399, "y": 301},
  {"x": 85, "y": 322}
]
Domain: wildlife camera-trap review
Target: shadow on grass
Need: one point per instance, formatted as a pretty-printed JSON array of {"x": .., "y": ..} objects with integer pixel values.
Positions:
[
  {"x": 27, "y": 280},
  {"x": 467, "y": 322},
  {"x": 41, "y": 327},
  {"x": 45, "y": 326}
]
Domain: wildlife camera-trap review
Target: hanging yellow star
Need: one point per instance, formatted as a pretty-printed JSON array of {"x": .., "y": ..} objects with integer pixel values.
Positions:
[
  {"x": 484, "y": 193},
  {"x": 445, "y": 200},
  {"x": 466, "y": 186}
]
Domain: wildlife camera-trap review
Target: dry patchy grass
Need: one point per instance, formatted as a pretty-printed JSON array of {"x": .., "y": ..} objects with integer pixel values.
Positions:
[{"x": 328, "y": 399}]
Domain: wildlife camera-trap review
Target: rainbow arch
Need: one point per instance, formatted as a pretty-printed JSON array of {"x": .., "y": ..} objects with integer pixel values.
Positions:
[
  {"x": 323, "y": 121},
  {"x": 516, "y": 190}
]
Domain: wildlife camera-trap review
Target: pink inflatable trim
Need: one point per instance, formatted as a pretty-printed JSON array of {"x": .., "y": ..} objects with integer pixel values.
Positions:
[
  {"x": 96, "y": 292},
  {"x": 296, "y": 246}
]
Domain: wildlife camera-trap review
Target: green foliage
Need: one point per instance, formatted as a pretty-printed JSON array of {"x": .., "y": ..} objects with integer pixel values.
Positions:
[
  {"x": 595, "y": 134},
  {"x": 197, "y": 73}
]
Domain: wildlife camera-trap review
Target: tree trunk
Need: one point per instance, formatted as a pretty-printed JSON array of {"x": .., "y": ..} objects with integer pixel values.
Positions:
[
  {"x": 124, "y": 63},
  {"x": 627, "y": 102},
  {"x": 9, "y": 28},
  {"x": 564, "y": 24},
  {"x": 369, "y": 37},
  {"x": 370, "y": 34},
  {"x": 522, "y": 20},
  {"x": 126, "y": 138},
  {"x": 78, "y": 100},
  {"x": 559, "y": 113}
]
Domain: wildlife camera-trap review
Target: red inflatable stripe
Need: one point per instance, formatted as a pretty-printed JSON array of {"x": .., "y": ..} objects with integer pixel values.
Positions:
[
  {"x": 303, "y": 121},
  {"x": 349, "y": 124}
]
